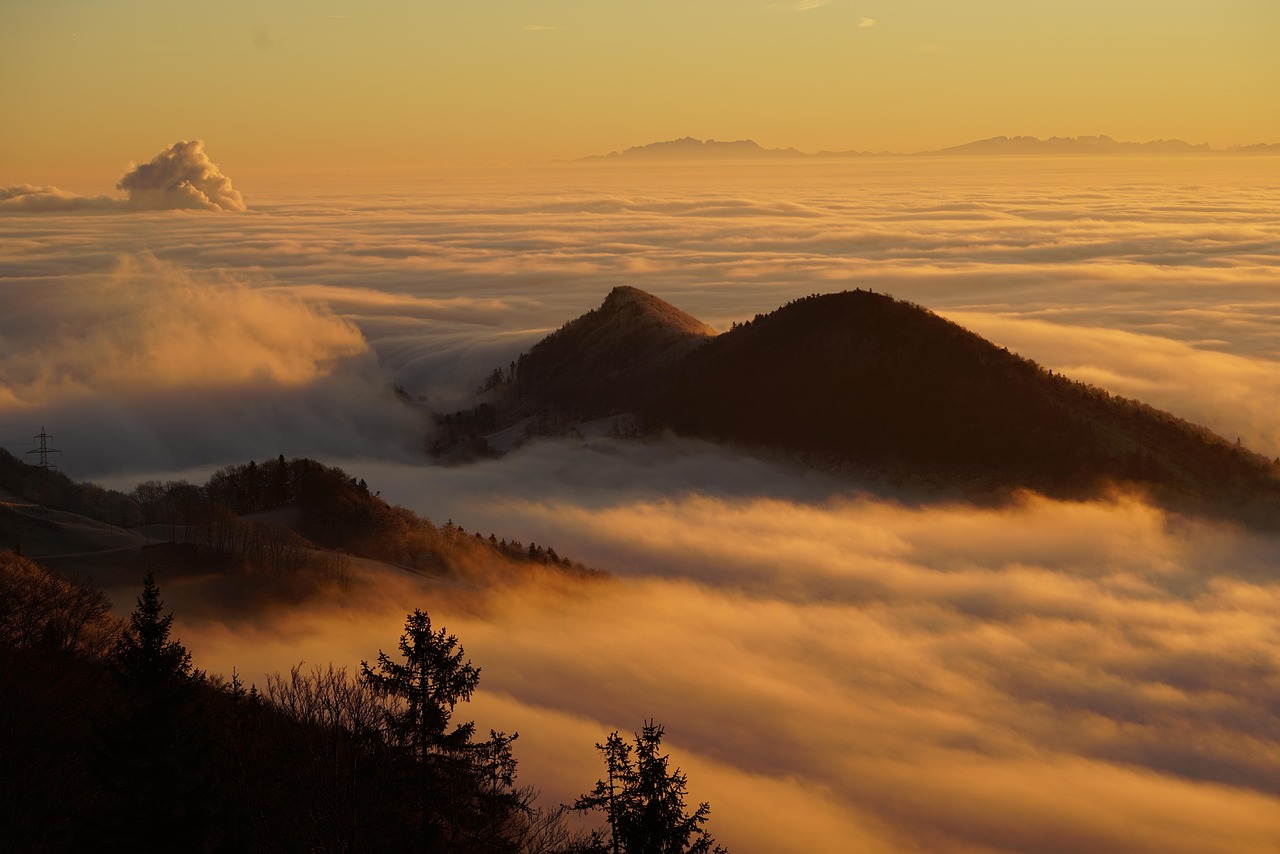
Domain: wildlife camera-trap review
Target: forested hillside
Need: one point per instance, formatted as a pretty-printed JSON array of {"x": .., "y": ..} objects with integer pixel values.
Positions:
[
  {"x": 861, "y": 381},
  {"x": 862, "y": 384},
  {"x": 113, "y": 739}
]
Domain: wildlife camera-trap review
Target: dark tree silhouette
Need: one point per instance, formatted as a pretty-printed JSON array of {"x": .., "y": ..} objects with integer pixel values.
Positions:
[
  {"x": 114, "y": 743},
  {"x": 155, "y": 762},
  {"x": 643, "y": 800},
  {"x": 464, "y": 790},
  {"x": 144, "y": 654}
]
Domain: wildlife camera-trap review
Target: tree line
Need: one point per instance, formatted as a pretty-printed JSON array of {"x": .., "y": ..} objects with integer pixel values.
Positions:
[
  {"x": 311, "y": 504},
  {"x": 112, "y": 739},
  {"x": 321, "y": 505}
]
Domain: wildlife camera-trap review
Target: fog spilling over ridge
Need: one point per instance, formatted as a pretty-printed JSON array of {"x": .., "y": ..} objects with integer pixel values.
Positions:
[{"x": 152, "y": 363}]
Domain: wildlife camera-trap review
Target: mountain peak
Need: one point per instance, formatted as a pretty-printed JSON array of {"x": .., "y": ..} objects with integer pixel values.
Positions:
[
  {"x": 862, "y": 380},
  {"x": 611, "y": 359},
  {"x": 689, "y": 148},
  {"x": 626, "y": 300}
]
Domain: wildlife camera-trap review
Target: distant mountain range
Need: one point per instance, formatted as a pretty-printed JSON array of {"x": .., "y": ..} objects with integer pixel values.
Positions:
[
  {"x": 863, "y": 384},
  {"x": 689, "y": 148}
]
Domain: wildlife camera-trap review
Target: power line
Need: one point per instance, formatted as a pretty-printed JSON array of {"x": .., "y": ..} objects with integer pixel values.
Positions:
[{"x": 44, "y": 450}]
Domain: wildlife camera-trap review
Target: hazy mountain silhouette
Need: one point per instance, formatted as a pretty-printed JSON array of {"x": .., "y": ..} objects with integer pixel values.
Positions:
[
  {"x": 689, "y": 148},
  {"x": 1072, "y": 145},
  {"x": 866, "y": 384},
  {"x": 1256, "y": 148}
]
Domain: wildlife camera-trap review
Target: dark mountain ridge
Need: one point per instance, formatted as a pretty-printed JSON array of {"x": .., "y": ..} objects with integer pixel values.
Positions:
[
  {"x": 865, "y": 382},
  {"x": 861, "y": 383}
]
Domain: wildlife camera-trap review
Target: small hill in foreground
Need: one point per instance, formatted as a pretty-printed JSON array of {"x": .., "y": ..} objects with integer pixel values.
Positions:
[{"x": 282, "y": 528}]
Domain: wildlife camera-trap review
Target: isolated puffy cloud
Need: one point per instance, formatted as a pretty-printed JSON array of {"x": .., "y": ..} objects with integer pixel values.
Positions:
[{"x": 181, "y": 176}]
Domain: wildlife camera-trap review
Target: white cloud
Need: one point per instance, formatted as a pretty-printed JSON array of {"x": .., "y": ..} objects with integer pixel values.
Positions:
[
  {"x": 182, "y": 177},
  {"x": 153, "y": 364},
  {"x": 31, "y": 199},
  {"x": 866, "y": 22}
]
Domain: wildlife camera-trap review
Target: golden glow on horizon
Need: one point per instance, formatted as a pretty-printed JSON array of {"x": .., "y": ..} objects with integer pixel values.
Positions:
[{"x": 292, "y": 86}]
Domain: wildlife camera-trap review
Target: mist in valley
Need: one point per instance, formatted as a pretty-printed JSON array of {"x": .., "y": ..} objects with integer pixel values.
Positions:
[{"x": 840, "y": 665}]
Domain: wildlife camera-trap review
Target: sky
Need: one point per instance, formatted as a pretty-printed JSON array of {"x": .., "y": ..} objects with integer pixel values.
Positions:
[{"x": 388, "y": 84}]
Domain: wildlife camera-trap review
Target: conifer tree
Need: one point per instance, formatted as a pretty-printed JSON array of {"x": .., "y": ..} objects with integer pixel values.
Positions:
[
  {"x": 155, "y": 760},
  {"x": 145, "y": 657},
  {"x": 459, "y": 785},
  {"x": 643, "y": 801}
]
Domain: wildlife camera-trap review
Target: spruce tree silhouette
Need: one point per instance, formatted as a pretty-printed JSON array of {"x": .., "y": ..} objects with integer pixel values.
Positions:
[
  {"x": 460, "y": 785},
  {"x": 154, "y": 756},
  {"x": 145, "y": 657},
  {"x": 643, "y": 801}
]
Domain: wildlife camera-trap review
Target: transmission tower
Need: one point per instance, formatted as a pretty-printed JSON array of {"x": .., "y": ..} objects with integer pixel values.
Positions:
[{"x": 44, "y": 450}]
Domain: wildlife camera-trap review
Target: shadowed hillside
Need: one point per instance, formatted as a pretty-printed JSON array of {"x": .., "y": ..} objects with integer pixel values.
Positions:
[
  {"x": 865, "y": 384},
  {"x": 613, "y": 359},
  {"x": 114, "y": 740},
  {"x": 282, "y": 528},
  {"x": 860, "y": 380},
  {"x": 610, "y": 358}
]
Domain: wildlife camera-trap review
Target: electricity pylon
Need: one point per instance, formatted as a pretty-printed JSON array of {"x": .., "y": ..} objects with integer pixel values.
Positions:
[{"x": 44, "y": 450}]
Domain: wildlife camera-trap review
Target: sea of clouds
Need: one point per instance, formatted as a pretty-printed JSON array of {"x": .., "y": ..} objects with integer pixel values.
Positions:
[{"x": 837, "y": 670}]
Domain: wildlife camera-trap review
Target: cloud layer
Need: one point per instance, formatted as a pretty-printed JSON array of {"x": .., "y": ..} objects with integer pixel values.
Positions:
[
  {"x": 836, "y": 672},
  {"x": 1152, "y": 278},
  {"x": 155, "y": 365},
  {"x": 845, "y": 673}
]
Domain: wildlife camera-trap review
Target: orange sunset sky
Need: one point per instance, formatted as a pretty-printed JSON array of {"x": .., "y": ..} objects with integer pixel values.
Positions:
[{"x": 346, "y": 87}]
